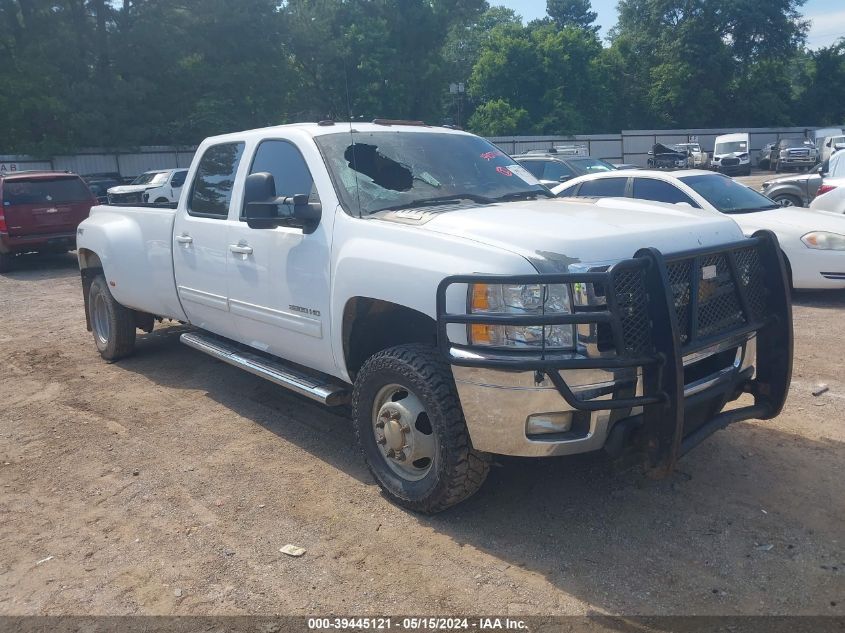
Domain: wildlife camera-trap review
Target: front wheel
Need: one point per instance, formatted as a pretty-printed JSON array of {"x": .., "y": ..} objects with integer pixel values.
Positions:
[
  {"x": 411, "y": 429},
  {"x": 788, "y": 200},
  {"x": 113, "y": 325}
]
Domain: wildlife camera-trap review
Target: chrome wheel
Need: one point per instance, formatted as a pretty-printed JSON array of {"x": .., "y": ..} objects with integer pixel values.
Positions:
[
  {"x": 100, "y": 319},
  {"x": 403, "y": 432},
  {"x": 786, "y": 202}
]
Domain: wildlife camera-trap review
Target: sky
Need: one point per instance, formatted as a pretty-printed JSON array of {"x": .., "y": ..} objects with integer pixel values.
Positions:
[{"x": 827, "y": 16}]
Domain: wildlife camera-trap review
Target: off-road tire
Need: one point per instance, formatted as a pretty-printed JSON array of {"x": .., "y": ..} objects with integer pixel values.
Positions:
[
  {"x": 6, "y": 262},
  {"x": 120, "y": 340},
  {"x": 459, "y": 470}
]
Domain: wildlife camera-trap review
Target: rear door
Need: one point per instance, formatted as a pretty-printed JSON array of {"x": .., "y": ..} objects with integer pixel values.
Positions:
[
  {"x": 45, "y": 205},
  {"x": 200, "y": 240}
]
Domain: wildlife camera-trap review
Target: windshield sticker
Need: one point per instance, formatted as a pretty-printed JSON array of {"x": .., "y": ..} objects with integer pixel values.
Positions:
[
  {"x": 524, "y": 174},
  {"x": 504, "y": 171},
  {"x": 491, "y": 155}
]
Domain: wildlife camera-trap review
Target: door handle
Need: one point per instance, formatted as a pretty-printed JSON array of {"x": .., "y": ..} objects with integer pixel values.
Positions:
[
  {"x": 240, "y": 249},
  {"x": 184, "y": 239}
]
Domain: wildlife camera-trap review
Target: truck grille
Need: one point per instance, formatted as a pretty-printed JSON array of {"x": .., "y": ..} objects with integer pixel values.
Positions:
[
  {"x": 730, "y": 161},
  {"x": 798, "y": 153},
  {"x": 717, "y": 308}
]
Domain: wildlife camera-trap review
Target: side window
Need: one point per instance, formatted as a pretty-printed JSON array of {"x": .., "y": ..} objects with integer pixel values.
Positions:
[
  {"x": 211, "y": 191},
  {"x": 178, "y": 179},
  {"x": 290, "y": 172},
  {"x": 557, "y": 171},
  {"x": 660, "y": 191},
  {"x": 603, "y": 188},
  {"x": 568, "y": 192},
  {"x": 535, "y": 167}
]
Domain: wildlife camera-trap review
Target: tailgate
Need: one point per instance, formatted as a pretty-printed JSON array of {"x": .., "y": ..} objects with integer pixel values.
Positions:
[{"x": 39, "y": 206}]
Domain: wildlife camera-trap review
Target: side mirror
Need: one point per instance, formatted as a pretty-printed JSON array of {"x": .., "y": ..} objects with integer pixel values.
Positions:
[
  {"x": 564, "y": 178},
  {"x": 263, "y": 209},
  {"x": 820, "y": 170}
]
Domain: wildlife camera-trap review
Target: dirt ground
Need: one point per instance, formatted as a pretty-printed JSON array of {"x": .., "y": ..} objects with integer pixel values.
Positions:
[{"x": 166, "y": 484}]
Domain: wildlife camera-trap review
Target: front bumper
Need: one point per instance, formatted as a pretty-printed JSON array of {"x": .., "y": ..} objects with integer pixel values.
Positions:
[{"x": 681, "y": 348}]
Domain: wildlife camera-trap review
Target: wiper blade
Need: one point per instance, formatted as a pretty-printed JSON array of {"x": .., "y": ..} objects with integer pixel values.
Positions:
[
  {"x": 770, "y": 207},
  {"x": 523, "y": 195},
  {"x": 425, "y": 202}
]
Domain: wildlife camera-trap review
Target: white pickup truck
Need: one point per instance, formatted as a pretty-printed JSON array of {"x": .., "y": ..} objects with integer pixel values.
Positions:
[{"x": 423, "y": 276}]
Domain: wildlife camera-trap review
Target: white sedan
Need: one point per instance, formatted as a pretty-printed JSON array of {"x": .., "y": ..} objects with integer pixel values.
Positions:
[
  {"x": 812, "y": 241},
  {"x": 831, "y": 194}
]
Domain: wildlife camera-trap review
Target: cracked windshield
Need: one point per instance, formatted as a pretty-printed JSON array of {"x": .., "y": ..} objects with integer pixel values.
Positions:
[{"x": 380, "y": 171}]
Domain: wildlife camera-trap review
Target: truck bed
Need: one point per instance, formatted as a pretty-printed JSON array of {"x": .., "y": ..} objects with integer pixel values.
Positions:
[{"x": 135, "y": 245}]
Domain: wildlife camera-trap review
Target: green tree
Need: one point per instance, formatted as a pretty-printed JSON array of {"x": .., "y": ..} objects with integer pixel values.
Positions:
[
  {"x": 499, "y": 118},
  {"x": 575, "y": 13}
]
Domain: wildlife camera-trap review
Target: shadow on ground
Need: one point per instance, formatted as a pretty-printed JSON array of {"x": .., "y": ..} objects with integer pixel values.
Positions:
[{"x": 745, "y": 503}]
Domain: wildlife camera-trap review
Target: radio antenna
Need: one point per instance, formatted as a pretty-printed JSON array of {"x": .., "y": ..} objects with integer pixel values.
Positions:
[{"x": 352, "y": 138}]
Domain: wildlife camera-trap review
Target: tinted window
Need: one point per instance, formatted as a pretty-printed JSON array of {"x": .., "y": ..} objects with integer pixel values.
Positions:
[
  {"x": 212, "y": 188},
  {"x": 567, "y": 193},
  {"x": 283, "y": 160},
  {"x": 178, "y": 179},
  {"x": 603, "y": 188},
  {"x": 727, "y": 195},
  {"x": 660, "y": 191},
  {"x": 536, "y": 167},
  {"x": 557, "y": 171},
  {"x": 54, "y": 191},
  {"x": 591, "y": 165}
]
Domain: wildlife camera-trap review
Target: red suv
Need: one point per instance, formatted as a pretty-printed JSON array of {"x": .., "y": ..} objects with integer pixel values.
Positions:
[{"x": 39, "y": 211}]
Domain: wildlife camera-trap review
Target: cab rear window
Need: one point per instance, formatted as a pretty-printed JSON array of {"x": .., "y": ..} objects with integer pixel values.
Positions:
[{"x": 44, "y": 191}]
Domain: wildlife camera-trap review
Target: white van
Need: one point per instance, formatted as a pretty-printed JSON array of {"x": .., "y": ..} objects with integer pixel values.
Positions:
[
  {"x": 731, "y": 154},
  {"x": 830, "y": 145},
  {"x": 821, "y": 135}
]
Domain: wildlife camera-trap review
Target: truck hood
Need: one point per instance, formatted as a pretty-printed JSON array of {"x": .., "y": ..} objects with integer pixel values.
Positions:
[
  {"x": 788, "y": 179},
  {"x": 132, "y": 188},
  {"x": 554, "y": 234}
]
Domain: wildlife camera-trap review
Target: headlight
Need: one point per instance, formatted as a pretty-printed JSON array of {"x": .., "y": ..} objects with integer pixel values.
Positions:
[
  {"x": 527, "y": 299},
  {"x": 784, "y": 153},
  {"x": 824, "y": 241}
]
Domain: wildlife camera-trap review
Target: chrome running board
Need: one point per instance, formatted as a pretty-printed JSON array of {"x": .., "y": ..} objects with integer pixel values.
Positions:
[{"x": 312, "y": 386}]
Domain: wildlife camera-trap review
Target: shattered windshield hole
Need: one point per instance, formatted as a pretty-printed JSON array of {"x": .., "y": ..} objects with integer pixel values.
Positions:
[{"x": 384, "y": 171}]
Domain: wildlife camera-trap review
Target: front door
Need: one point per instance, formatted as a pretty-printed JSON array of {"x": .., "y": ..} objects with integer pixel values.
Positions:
[
  {"x": 279, "y": 277},
  {"x": 201, "y": 241}
]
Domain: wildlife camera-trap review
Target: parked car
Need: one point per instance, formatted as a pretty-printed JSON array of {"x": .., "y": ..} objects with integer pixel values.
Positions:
[
  {"x": 813, "y": 243},
  {"x": 426, "y": 277},
  {"x": 831, "y": 193},
  {"x": 795, "y": 191},
  {"x": 667, "y": 157},
  {"x": 553, "y": 169},
  {"x": 731, "y": 154},
  {"x": 39, "y": 212},
  {"x": 793, "y": 153},
  {"x": 831, "y": 145},
  {"x": 157, "y": 186},
  {"x": 697, "y": 157},
  {"x": 99, "y": 184},
  {"x": 764, "y": 155}
]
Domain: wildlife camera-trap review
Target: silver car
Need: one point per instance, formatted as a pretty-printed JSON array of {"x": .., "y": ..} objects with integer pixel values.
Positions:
[{"x": 795, "y": 191}]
